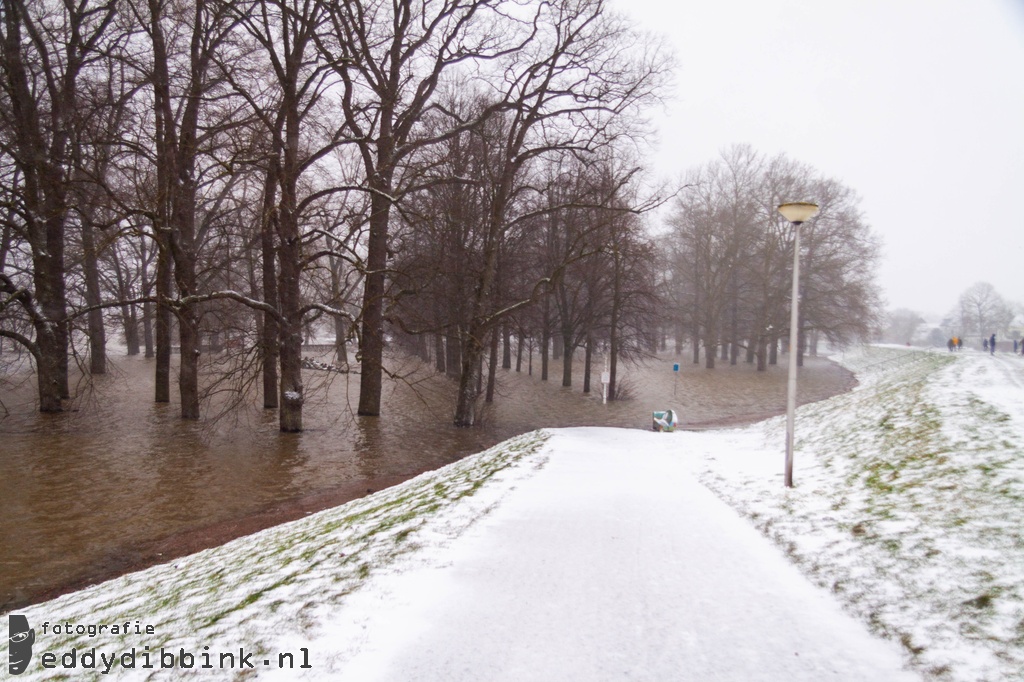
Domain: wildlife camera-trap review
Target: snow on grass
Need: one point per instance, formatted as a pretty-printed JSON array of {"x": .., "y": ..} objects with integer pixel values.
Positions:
[
  {"x": 908, "y": 503},
  {"x": 266, "y": 592},
  {"x": 907, "y": 508}
]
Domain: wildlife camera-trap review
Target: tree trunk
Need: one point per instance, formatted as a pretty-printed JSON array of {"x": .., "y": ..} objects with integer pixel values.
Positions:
[
  {"x": 587, "y": 362},
  {"x": 506, "y": 335},
  {"x": 183, "y": 241},
  {"x": 129, "y": 311},
  {"x": 289, "y": 260},
  {"x": 492, "y": 366},
  {"x": 163, "y": 326},
  {"x": 613, "y": 329},
  {"x": 453, "y": 355},
  {"x": 465, "y": 406},
  {"x": 147, "y": 307},
  {"x": 709, "y": 356},
  {"x": 147, "y": 330},
  {"x": 545, "y": 339},
  {"x": 439, "y": 353},
  {"x": 372, "y": 371},
  {"x": 480, "y": 374},
  {"x": 568, "y": 350},
  {"x": 613, "y": 354},
  {"x": 801, "y": 344},
  {"x": 48, "y": 366},
  {"x": 710, "y": 349},
  {"x": 271, "y": 331},
  {"x": 340, "y": 340},
  {"x": 291, "y": 387},
  {"x": 54, "y": 303},
  {"x": 97, "y": 333},
  {"x": 188, "y": 368},
  {"x": 480, "y": 307},
  {"x": 130, "y": 314}
]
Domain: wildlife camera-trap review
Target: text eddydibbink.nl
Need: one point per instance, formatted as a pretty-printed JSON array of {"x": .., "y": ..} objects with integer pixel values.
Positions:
[{"x": 100, "y": 659}]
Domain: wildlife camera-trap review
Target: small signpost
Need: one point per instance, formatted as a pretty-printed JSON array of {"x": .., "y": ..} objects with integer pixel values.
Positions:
[{"x": 675, "y": 385}]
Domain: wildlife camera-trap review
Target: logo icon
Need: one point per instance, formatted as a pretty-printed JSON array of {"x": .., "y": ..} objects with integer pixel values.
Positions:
[{"x": 22, "y": 639}]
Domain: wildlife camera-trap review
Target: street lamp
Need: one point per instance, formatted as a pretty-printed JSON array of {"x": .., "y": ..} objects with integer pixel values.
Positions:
[{"x": 796, "y": 213}]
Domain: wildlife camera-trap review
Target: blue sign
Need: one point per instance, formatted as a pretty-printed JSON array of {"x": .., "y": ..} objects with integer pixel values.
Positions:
[{"x": 675, "y": 367}]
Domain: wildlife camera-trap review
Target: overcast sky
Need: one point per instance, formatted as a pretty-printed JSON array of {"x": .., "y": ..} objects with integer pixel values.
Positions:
[{"x": 917, "y": 105}]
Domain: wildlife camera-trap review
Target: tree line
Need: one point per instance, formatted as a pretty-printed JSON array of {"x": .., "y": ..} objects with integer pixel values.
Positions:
[
  {"x": 222, "y": 172},
  {"x": 731, "y": 261},
  {"x": 459, "y": 179}
]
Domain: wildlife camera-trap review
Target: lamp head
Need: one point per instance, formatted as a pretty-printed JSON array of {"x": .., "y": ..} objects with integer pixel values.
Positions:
[{"x": 798, "y": 211}]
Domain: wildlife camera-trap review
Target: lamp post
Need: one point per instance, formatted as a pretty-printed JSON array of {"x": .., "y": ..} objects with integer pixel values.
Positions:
[{"x": 796, "y": 213}]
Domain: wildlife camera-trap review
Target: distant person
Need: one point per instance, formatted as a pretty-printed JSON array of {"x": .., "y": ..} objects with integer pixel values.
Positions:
[
  {"x": 984, "y": 345},
  {"x": 992, "y": 344},
  {"x": 959, "y": 343},
  {"x": 951, "y": 345},
  {"x": 1015, "y": 346}
]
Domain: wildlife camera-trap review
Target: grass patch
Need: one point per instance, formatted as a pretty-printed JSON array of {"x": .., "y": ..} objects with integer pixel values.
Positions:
[{"x": 908, "y": 505}]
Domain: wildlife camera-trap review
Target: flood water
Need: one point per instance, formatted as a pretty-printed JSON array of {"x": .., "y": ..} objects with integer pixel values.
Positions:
[{"x": 118, "y": 480}]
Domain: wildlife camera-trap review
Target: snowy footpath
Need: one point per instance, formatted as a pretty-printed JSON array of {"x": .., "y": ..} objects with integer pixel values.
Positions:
[{"x": 610, "y": 562}]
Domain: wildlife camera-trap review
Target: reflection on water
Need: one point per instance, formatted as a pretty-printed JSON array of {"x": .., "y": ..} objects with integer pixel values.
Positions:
[{"x": 79, "y": 491}]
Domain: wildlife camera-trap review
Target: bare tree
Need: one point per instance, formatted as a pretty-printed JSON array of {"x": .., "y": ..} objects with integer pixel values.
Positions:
[
  {"x": 285, "y": 33},
  {"x": 44, "y": 50},
  {"x": 184, "y": 43},
  {"x": 390, "y": 57},
  {"x": 982, "y": 311},
  {"x": 732, "y": 262},
  {"x": 715, "y": 223},
  {"x": 574, "y": 89}
]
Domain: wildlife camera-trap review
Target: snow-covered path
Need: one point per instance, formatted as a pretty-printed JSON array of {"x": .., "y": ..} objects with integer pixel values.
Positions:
[{"x": 609, "y": 562}]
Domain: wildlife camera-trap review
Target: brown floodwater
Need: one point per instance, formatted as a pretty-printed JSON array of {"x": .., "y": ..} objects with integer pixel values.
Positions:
[{"x": 119, "y": 482}]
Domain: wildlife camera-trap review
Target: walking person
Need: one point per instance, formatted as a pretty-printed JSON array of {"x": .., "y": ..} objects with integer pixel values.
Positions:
[{"x": 992, "y": 344}]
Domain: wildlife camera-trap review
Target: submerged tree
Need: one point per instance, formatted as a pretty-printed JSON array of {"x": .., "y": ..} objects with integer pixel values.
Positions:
[
  {"x": 45, "y": 51},
  {"x": 390, "y": 58}
]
